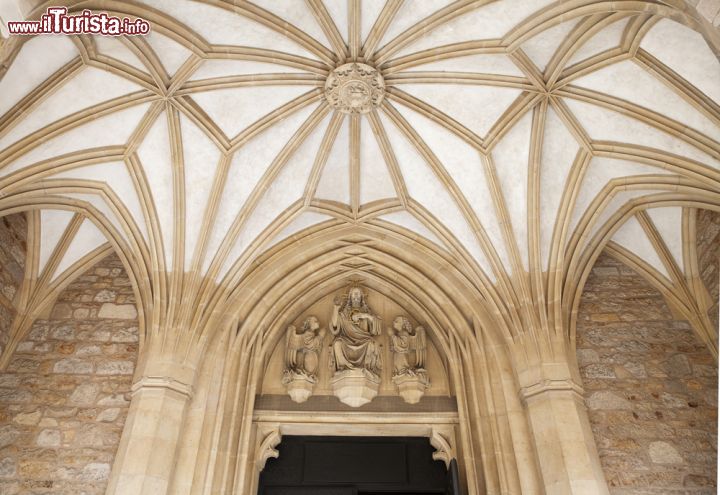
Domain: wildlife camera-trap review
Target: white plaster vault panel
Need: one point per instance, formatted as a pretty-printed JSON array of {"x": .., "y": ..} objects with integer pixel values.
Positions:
[
  {"x": 38, "y": 59},
  {"x": 286, "y": 189},
  {"x": 88, "y": 237},
  {"x": 490, "y": 21},
  {"x": 632, "y": 236},
  {"x": 608, "y": 38},
  {"x": 630, "y": 82},
  {"x": 52, "y": 227},
  {"x": 542, "y": 47},
  {"x": 601, "y": 171},
  {"x": 216, "y": 26},
  {"x": 115, "y": 48},
  {"x": 375, "y": 180},
  {"x": 559, "y": 150},
  {"x": 511, "y": 157},
  {"x": 688, "y": 55},
  {"x": 334, "y": 182},
  {"x": 172, "y": 54},
  {"x": 115, "y": 175},
  {"x": 237, "y": 108},
  {"x": 247, "y": 167},
  {"x": 455, "y": 191},
  {"x": 109, "y": 130},
  {"x": 607, "y": 125},
  {"x": 461, "y": 102},
  {"x": 410, "y": 13},
  {"x": 74, "y": 95},
  {"x": 297, "y": 14},
  {"x": 668, "y": 221},
  {"x": 201, "y": 158},
  {"x": 155, "y": 154}
]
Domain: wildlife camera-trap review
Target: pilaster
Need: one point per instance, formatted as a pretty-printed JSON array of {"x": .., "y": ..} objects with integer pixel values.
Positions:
[
  {"x": 564, "y": 443},
  {"x": 148, "y": 448}
]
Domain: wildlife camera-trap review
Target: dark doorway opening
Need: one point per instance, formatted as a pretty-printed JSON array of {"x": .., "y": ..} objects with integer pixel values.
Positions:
[{"x": 310, "y": 465}]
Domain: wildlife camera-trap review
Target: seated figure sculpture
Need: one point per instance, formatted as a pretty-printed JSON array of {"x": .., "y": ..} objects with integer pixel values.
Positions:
[{"x": 354, "y": 327}]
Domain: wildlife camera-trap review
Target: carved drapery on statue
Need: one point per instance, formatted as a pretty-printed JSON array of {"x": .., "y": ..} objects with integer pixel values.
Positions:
[
  {"x": 355, "y": 353},
  {"x": 354, "y": 327},
  {"x": 302, "y": 356},
  {"x": 409, "y": 349}
]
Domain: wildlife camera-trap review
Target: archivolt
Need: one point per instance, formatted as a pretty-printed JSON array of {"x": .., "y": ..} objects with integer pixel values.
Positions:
[
  {"x": 681, "y": 291},
  {"x": 423, "y": 280}
]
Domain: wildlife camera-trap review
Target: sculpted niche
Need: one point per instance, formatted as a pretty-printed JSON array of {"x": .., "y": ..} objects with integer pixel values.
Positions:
[{"x": 351, "y": 365}]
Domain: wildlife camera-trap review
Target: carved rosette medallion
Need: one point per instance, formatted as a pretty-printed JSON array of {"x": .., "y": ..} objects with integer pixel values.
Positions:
[{"x": 355, "y": 88}]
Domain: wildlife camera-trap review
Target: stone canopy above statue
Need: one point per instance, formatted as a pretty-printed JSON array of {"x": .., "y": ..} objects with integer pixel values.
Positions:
[{"x": 355, "y": 345}]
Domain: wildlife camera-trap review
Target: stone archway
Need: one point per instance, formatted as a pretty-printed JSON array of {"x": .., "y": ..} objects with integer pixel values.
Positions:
[{"x": 217, "y": 449}]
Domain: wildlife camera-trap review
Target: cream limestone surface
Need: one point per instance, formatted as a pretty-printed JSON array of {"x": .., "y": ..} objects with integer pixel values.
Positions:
[{"x": 503, "y": 154}]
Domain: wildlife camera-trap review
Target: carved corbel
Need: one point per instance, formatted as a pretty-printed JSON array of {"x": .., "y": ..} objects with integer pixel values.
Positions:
[
  {"x": 269, "y": 438},
  {"x": 443, "y": 442}
]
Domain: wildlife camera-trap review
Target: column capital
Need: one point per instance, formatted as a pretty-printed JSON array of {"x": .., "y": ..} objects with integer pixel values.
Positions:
[
  {"x": 162, "y": 382},
  {"x": 551, "y": 385}
]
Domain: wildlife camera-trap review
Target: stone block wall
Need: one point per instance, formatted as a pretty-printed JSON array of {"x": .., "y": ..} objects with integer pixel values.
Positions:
[
  {"x": 13, "y": 246},
  {"x": 650, "y": 387},
  {"x": 708, "y": 252},
  {"x": 65, "y": 395}
]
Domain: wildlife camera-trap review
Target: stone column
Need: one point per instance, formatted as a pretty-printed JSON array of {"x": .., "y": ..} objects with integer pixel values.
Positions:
[
  {"x": 148, "y": 448},
  {"x": 565, "y": 446}
]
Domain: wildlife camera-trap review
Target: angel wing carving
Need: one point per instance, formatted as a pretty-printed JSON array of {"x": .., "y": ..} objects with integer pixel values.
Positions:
[
  {"x": 293, "y": 343},
  {"x": 418, "y": 343}
]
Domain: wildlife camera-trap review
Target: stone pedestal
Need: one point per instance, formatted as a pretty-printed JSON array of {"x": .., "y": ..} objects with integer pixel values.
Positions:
[
  {"x": 411, "y": 387},
  {"x": 355, "y": 387},
  {"x": 299, "y": 387}
]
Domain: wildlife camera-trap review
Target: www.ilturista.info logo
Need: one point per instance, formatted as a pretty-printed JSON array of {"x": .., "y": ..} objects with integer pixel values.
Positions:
[{"x": 56, "y": 20}]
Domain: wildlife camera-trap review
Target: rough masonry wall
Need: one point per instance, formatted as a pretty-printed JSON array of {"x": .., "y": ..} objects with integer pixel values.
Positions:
[
  {"x": 708, "y": 252},
  {"x": 650, "y": 386},
  {"x": 65, "y": 395},
  {"x": 13, "y": 246}
]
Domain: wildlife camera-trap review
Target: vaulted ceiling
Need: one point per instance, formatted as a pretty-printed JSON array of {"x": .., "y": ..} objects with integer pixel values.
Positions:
[{"x": 517, "y": 136}]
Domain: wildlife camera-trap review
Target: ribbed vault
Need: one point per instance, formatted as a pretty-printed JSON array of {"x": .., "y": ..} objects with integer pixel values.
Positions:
[
  {"x": 518, "y": 137},
  {"x": 513, "y": 142}
]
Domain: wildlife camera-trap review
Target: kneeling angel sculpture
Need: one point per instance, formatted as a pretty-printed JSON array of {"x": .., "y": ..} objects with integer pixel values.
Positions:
[
  {"x": 409, "y": 351},
  {"x": 302, "y": 356}
]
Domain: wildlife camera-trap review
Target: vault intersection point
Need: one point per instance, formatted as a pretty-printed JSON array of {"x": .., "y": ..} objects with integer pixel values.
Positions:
[{"x": 354, "y": 88}]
